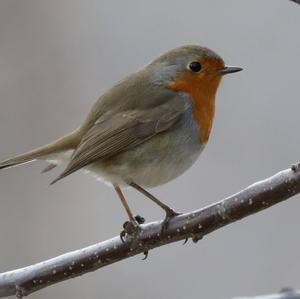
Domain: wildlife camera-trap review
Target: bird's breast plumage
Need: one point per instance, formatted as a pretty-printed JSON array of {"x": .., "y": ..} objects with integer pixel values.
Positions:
[{"x": 160, "y": 159}]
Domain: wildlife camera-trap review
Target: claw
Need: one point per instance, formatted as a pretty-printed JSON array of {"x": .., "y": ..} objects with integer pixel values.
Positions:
[
  {"x": 197, "y": 237},
  {"x": 125, "y": 224},
  {"x": 122, "y": 236},
  {"x": 131, "y": 228},
  {"x": 146, "y": 255},
  {"x": 139, "y": 219},
  {"x": 295, "y": 167}
]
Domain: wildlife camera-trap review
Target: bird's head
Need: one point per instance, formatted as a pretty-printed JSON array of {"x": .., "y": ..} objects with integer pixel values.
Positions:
[{"x": 197, "y": 71}]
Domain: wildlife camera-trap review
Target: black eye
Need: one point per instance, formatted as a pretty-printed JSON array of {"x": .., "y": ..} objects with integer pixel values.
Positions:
[{"x": 195, "y": 66}]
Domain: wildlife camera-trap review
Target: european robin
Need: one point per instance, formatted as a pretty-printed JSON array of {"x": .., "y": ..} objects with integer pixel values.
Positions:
[{"x": 147, "y": 129}]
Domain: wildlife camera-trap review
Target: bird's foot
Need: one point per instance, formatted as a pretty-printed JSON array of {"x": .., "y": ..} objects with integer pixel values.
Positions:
[
  {"x": 139, "y": 219},
  {"x": 185, "y": 241},
  {"x": 131, "y": 228},
  {"x": 170, "y": 214},
  {"x": 295, "y": 167},
  {"x": 145, "y": 255},
  {"x": 197, "y": 237}
]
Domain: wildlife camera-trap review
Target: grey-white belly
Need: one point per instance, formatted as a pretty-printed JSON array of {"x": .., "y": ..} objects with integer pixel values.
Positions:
[{"x": 158, "y": 160}]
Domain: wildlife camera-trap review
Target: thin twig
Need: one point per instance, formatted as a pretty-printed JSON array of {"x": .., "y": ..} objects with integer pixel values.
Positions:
[
  {"x": 286, "y": 293},
  {"x": 195, "y": 225}
]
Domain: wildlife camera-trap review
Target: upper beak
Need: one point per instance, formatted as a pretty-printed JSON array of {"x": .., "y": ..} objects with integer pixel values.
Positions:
[{"x": 229, "y": 69}]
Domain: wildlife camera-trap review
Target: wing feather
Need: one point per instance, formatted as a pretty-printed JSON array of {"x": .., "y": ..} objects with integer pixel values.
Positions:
[{"x": 114, "y": 133}]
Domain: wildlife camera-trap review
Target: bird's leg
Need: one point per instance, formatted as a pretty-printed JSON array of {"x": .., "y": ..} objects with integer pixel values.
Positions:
[
  {"x": 124, "y": 203},
  {"x": 170, "y": 213},
  {"x": 131, "y": 226}
]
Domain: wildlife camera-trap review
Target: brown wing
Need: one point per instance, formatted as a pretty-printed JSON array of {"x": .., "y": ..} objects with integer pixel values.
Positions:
[{"x": 112, "y": 134}]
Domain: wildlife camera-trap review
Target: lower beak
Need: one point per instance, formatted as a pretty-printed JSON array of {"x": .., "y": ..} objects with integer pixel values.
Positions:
[{"x": 229, "y": 69}]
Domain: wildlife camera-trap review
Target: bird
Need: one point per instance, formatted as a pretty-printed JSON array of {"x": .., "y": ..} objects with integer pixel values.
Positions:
[{"x": 146, "y": 130}]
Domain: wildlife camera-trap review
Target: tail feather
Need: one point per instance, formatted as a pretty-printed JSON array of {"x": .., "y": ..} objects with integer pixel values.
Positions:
[
  {"x": 67, "y": 142},
  {"x": 48, "y": 168},
  {"x": 19, "y": 160}
]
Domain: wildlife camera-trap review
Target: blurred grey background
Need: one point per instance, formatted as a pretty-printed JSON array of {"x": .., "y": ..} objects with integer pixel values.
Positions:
[{"x": 58, "y": 56}]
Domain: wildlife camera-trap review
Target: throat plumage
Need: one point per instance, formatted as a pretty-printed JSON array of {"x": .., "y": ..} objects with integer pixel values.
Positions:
[
  {"x": 203, "y": 92},
  {"x": 204, "y": 112}
]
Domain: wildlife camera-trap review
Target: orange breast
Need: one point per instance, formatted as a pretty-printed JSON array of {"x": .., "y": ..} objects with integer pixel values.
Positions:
[{"x": 203, "y": 91}]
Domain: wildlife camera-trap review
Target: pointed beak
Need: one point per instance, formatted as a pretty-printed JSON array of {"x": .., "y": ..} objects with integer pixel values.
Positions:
[{"x": 229, "y": 70}]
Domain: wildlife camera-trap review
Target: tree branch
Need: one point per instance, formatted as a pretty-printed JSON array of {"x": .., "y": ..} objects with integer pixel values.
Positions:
[
  {"x": 195, "y": 225},
  {"x": 286, "y": 293}
]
